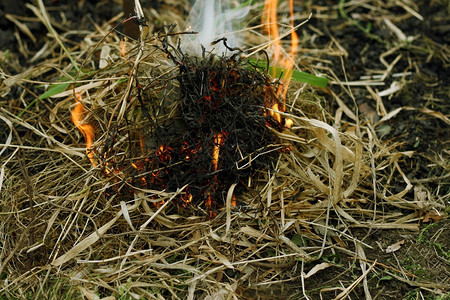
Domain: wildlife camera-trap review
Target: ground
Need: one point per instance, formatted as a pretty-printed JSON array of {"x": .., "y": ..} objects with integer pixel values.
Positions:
[{"x": 364, "y": 48}]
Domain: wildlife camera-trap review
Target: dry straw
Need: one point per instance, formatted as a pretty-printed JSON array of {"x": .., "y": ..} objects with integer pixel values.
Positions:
[{"x": 60, "y": 230}]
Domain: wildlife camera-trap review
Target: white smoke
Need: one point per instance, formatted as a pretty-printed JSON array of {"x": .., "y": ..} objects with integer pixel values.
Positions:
[{"x": 214, "y": 19}]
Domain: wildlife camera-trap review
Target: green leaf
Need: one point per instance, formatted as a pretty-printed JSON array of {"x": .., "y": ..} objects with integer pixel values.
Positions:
[
  {"x": 298, "y": 240},
  {"x": 309, "y": 78},
  {"x": 59, "y": 88},
  {"x": 56, "y": 89},
  {"x": 296, "y": 75},
  {"x": 385, "y": 277}
]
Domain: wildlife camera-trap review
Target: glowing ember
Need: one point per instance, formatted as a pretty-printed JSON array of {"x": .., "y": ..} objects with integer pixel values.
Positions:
[
  {"x": 78, "y": 116},
  {"x": 186, "y": 198}
]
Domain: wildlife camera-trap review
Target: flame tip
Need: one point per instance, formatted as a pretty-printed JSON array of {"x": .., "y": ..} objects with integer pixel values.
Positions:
[{"x": 78, "y": 115}]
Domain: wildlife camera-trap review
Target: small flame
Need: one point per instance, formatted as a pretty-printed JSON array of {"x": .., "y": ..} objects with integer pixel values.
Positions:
[
  {"x": 218, "y": 140},
  {"x": 186, "y": 198},
  {"x": 78, "y": 116},
  {"x": 289, "y": 123},
  {"x": 123, "y": 48},
  {"x": 286, "y": 61},
  {"x": 274, "y": 113},
  {"x": 270, "y": 20}
]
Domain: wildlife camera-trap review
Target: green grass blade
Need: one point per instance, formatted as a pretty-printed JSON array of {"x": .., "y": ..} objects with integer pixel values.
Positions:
[
  {"x": 305, "y": 77},
  {"x": 296, "y": 75},
  {"x": 56, "y": 89}
]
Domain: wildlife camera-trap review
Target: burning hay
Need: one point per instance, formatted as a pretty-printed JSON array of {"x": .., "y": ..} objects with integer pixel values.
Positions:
[
  {"x": 207, "y": 127},
  {"x": 161, "y": 174}
]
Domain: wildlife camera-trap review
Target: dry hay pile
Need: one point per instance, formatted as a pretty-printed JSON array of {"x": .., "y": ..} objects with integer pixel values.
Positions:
[{"x": 106, "y": 230}]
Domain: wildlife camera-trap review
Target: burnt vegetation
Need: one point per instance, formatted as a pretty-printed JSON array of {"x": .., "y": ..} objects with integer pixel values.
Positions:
[{"x": 216, "y": 129}]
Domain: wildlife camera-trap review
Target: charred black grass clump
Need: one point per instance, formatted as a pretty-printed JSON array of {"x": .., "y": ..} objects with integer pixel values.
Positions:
[{"x": 213, "y": 130}]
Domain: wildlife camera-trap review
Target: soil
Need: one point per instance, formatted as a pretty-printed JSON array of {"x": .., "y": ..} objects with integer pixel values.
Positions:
[{"x": 423, "y": 254}]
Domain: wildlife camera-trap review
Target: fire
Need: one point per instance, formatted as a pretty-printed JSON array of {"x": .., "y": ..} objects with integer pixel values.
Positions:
[
  {"x": 164, "y": 163},
  {"x": 270, "y": 20},
  {"x": 218, "y": 140},
  {"x": 123, "y": 48},
  {"x": 285, "y": 60},
  {"x": 274, "y": 113},
  {"x": 289, "y": 123},
  {"x": 164, "y": 153},
  {"x": 78, "y": 116},
  {"x": 186, "y": 198}
]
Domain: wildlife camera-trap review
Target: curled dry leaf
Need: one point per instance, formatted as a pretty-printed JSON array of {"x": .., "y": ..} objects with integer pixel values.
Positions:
[
  {"x": 395, "y": 247},
  {"x": 395, "y": 87},
  {"x": 317, "y": 268},
  {"x": 433, "y": 216}
]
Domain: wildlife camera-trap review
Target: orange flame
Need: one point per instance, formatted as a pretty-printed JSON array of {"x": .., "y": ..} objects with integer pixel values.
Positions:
[
  {"x": 78, "y": 116},
  {"x": 270, "y": 20},
  {"x": 285, "y": 60},
  {"x": 187, "y": 199},
  {"x": 218, "y": 140},
  {"x": 123, "y": 48}
]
